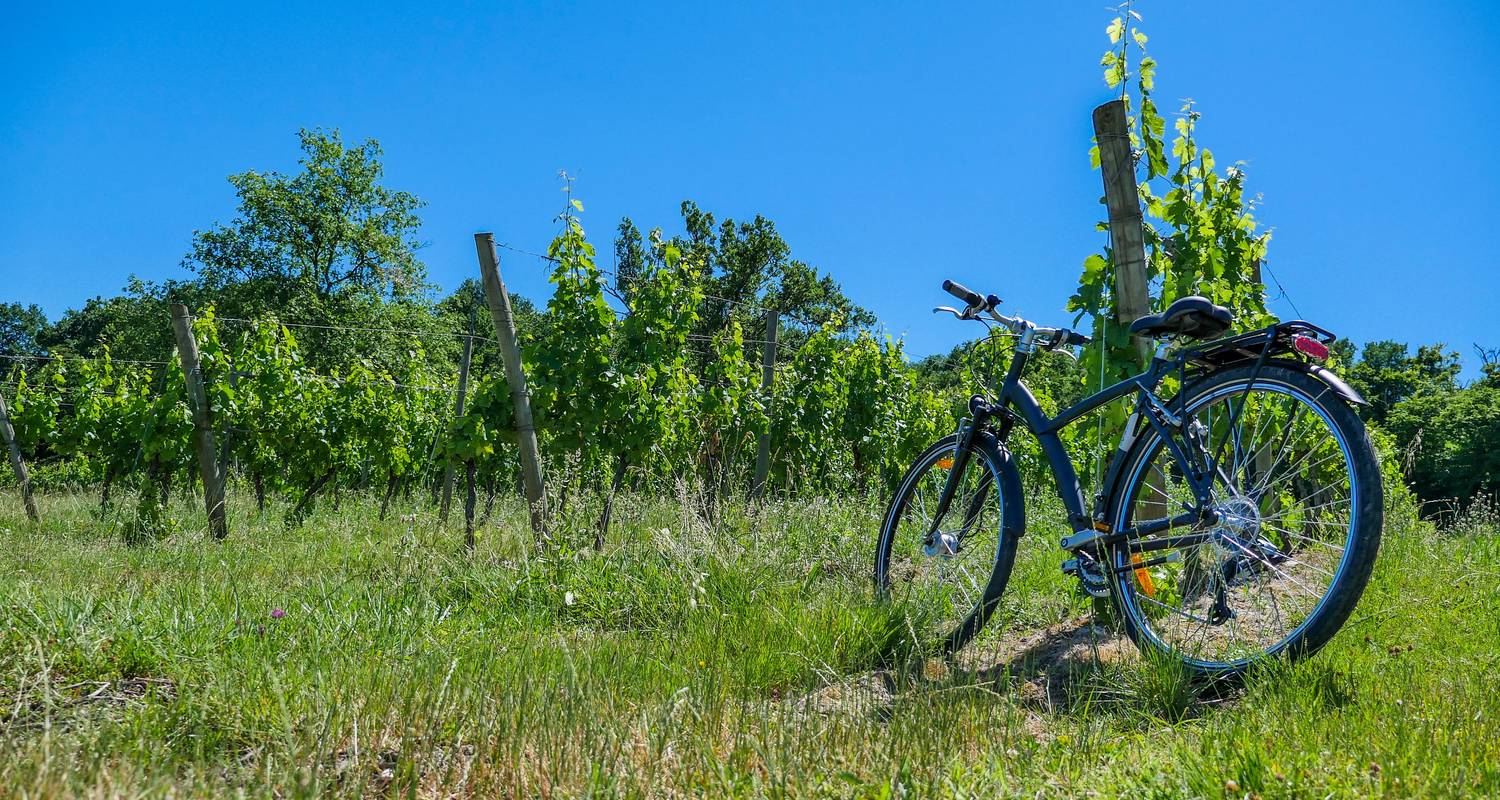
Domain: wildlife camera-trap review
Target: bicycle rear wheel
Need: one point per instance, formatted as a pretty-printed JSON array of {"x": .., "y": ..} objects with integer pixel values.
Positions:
[
  {"x": 1299, "y": 503},
  {"x": 946, "y": 587}
]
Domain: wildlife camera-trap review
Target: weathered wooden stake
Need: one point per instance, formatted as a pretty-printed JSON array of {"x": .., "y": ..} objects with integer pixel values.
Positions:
[
  {"x": 1126, "y": 223},
  {"x": 458, "y": 411},
  {"x": 510, "y": 352},
  {"x": 767, "y": 379},
  {"x": 1127, "y": 237},
  {"x": 203, "y": 433},
  {"x": 16, "y": 462}
]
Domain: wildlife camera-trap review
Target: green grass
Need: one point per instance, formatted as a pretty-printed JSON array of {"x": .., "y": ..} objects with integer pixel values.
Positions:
[{"x": 741, "y": 659}]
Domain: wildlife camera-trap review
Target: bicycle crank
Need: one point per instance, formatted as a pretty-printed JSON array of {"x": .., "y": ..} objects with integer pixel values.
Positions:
[{"x": 1090, "y": 574}]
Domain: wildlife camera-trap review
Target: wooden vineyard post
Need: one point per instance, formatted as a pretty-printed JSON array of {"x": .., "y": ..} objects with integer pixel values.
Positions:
[
  {"x": 1127, "y": 236},
  {"x": 1126, "y": 224},
  {"x": 203, "y": 434},
  {"x": 458, "y": 411},
  {"x": 510, "y": 352},
  {"x": 23, "y": 478},
  {"x": 767, "y": 380}
]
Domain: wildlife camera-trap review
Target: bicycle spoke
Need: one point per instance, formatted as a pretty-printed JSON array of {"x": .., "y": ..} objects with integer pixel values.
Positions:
[
  {"x": 1302, "y": 538},
  {"x": 1173, "y": 609}
]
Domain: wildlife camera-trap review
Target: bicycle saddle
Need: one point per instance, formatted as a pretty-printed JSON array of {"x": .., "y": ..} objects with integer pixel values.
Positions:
[{"x": 1194, "y": 317}]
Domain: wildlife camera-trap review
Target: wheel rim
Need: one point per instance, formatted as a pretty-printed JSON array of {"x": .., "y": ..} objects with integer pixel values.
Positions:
[
  {"x": 1288, "y": 514},
  {"x": 938, "y": 595}
]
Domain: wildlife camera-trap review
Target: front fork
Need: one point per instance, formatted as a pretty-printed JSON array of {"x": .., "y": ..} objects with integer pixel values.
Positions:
[{"x": 936, "y": 543}]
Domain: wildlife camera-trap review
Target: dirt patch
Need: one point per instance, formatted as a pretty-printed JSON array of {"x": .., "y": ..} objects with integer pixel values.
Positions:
[
  {"x": 857, "y": 694},
  {"x": 1043, "y": 667}
]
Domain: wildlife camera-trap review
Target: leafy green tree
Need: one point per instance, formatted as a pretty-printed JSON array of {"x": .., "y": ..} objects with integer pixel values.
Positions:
[
  {"x": 466, "y": 309},
  {"x": 329, "y": 244},
  {"x": 631, "y": 258},
  {"x": 1451, "y": 442},
  {"x": 328, "y": 230},
  {"x": 1489, "y": 365},
  {"x": 1387, "y": 374},
  {"x": 20, "y": 328},
  {"x": 748, "y": 267},
  {"x": 134, "y": 325}
]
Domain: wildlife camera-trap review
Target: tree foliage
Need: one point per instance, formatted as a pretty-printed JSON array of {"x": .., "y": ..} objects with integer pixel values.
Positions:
[
  {"x": 21, "y": 328},
  {"x": 1387, "y": 374},
  {"x": 1450, "y": 441},
  {"x": 329, "y": 230}
]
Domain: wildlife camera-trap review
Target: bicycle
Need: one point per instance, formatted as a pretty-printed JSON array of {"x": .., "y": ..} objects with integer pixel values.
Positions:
[{"x": 1236, "y": 521}]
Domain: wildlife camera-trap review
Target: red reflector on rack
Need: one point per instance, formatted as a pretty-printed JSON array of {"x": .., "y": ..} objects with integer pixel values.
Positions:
[{"x": 1310, "y": 347}]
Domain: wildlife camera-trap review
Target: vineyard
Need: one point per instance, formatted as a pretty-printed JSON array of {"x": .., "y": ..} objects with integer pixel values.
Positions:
[
  {"x": 296, "y": 523},
  {"x": 629, "y": 398}
]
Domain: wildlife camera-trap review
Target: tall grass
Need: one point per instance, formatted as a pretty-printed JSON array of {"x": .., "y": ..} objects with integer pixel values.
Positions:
[{"x": 355, "y": 657}]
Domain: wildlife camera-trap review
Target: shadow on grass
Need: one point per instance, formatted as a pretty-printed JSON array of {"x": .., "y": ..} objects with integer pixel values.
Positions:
[{"x": 1071, "y": 668}]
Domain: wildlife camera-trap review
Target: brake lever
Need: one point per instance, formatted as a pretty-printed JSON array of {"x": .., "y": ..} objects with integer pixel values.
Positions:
[
  {"x": 951, "y": 310},
  {"x": 1059, "y": 345}
]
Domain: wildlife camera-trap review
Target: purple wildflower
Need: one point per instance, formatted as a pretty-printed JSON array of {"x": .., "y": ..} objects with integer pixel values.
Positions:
[{"x": 277, "y": 613}]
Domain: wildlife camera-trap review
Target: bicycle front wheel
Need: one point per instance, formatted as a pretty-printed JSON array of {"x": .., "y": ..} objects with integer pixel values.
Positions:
[
  {"x": 1299, "y": 508},
  {"x": 944, "y": 573}
]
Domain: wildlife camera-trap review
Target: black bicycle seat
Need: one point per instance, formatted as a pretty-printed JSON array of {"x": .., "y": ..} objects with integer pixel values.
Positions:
[{"x": 1194, "y": 317}]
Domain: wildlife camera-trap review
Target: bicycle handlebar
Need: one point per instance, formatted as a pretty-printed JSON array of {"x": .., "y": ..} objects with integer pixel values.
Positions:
[
  {"x": 976, "y": 305},
  {"x": 963, "y": 293}
]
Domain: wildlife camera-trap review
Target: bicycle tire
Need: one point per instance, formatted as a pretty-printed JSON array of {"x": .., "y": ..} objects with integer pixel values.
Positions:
[
  {"x": 1361, "y": 541},
  {"x": 1009, "y": 520}
]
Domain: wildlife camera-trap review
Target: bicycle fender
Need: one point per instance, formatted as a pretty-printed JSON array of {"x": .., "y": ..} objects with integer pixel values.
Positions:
[
  {"x": 1327, "y": 376},
  {"x": 1014, "y": 501}
]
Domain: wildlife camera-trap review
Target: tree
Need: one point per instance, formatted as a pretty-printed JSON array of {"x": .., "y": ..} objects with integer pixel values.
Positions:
[
  {"x": 465, "y": 307},
  {"x": 631, "y": 258},
  {"x": 748, "y": 267},
  {"x": 329, "y": 233},
  {"x": 1387, "y": 375},
  {"x": 132, "y": 326},
  {"x": 20, "y": 328},
  {"x": 1452, "y": 442},
  {"x": 1489, "y": 365}
]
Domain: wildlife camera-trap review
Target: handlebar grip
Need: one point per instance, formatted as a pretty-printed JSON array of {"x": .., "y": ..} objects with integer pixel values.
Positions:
[
  {"x": 1074, "y": 337},
  {"x": 963, "y": 293}
]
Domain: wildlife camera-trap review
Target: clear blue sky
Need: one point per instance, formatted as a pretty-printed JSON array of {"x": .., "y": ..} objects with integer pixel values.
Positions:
[{"x": 894, "y": 144}]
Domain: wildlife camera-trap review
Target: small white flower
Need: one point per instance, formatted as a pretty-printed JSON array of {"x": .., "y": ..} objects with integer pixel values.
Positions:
[{"x": 569, "y": 599}]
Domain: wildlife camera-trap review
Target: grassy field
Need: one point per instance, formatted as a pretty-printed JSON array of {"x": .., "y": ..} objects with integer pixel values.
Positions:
[{"x": 354, "y": 657}]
